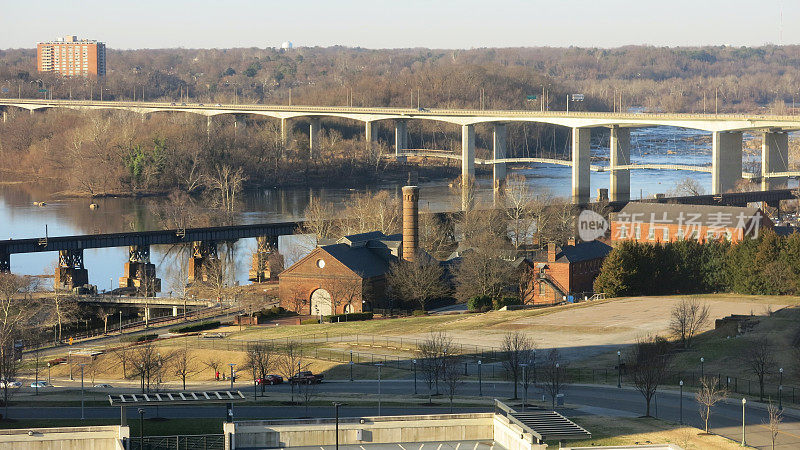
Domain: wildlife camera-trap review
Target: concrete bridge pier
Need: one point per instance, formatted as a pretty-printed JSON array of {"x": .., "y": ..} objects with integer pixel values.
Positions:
[
  {"x": 467, "y": 164},
  {"x": 774, "y": 158},
  {"x": 370, "y": 133},
  {"x": 209, "y": 127},
  {"x": 580, "y": 165},
  {"x": 239, "y": 126},
  {"x": 499, "y": 152},
  {"x": 726, "y": 160},
  {"x": 202, "y": 253},
  {"x": 620, "y": 180},
  {"x": 313, "y": 135},
  {"x": 139, "y": 272},
  {"x": 260, "y": 270},
  {"x": 286, "y": 131},
  {"x": 70, "y": 272},
  {"x": 400, "y": 138}
]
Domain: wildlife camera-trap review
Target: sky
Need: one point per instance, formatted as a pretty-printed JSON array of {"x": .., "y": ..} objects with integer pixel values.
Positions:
[{"x": 401, "y": 23}]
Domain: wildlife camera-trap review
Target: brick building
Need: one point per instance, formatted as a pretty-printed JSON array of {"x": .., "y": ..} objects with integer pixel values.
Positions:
[
  {"x": 563, "y": 273},
  {"x": 663, "y": 222},
  {"x": 345, "y": 277},
  {"x": 69, "y": 56}
]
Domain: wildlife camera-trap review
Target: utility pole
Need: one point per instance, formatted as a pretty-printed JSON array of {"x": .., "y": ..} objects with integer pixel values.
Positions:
[{"x": 567, "y": 102}]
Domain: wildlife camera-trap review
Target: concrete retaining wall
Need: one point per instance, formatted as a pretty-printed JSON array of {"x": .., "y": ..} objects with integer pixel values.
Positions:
[
  {"x": 385, "y": 429},
  {"x": 511, "y": 436},
  {"x": 64, "y": 438}
]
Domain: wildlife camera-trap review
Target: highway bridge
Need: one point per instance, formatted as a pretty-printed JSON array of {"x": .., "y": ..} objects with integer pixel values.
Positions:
[{"x": 726, "y": 131}]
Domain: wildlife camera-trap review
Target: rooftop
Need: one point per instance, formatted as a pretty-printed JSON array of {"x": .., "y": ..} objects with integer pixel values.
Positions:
[{"x": 679, "y": 214}]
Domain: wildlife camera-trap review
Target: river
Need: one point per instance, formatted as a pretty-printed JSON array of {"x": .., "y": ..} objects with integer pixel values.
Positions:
[{"x": 20, "y": 218}]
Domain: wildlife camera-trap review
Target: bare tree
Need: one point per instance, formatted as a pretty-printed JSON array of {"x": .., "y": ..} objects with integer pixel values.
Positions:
[
  {"x": 647, "y": 364},
  {"x": 227, "y": 183},
  {"x": 290, "y": 362},
  {"x": 16, "y": 308},
  {"x": 307, "y": 392},
  {"x": 553, "y": 375},
  {"x": 435, "y": 236},
  {"x": 320, "y": 220},
  {"x": 418, "y": 282},
  {"x": 687, "y": 187},
  {"x": 183, "y": 363},
  {"x": 260, "y": 359},
  {"x": 517, "y": 199},
  {"x": 430, "y": 354},
  {"x": 123, "y": 355},
  {"x": 759, "y": 357},
  {"x": 773, "y": 422},
  {"x": 213, "y": 363},
  {"x": 451, "y": 375},
  {"x": 62, "y": 309},
  {"x": 687, "y": 318},
  {"x": 485, "y": 269},
  {"x": 147, "y": 363},
  {"x": 516, "y": 349},
  {"x": 709, "y": 395}
]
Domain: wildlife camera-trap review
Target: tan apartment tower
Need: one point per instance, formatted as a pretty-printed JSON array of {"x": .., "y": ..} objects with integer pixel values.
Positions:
[
  {"x": 410, "y": 222},
  {"x": 69, "y": 56}
]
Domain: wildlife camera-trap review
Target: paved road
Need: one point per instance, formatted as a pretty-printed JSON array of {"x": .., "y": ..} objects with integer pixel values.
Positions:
[{"x": 605, "y": 400}]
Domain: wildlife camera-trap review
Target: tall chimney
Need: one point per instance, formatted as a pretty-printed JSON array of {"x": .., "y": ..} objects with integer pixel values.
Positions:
[{"x": 410, "y": 222}]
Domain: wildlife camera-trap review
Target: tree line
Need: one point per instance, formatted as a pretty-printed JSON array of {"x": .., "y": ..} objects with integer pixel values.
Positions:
[{"x": 769, "y": 264}]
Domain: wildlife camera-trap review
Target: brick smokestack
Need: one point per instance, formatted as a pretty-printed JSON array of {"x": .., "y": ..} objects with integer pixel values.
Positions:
[{"x": 410, "y": 222}]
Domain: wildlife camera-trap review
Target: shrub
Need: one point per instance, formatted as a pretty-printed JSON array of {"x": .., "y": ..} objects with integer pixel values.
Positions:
[
  {"x": 310, "y": 321},
  {"x": 479, "y": 302},
  {"x": 140, "y": 338},
  {"x": 506, "y": 301},
  {"x": 351, "y": 317},
  {"x": 418, "y": 312},
  {"x": 196, "y": 327},
  {"x": 269, "y": 313}
]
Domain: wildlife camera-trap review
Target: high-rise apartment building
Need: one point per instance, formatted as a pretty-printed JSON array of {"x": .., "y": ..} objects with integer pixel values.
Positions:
[{"x": 71, "y": 57}]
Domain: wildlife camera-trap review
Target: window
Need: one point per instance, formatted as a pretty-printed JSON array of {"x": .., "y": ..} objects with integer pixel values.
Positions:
[
  {"x": 728, "y": 235},
  {"x": 321, "y": 263},
  {"x": 679, "y": 235},
  {"x": 696, "y": 234},
  {"x": 665, "y": 236},
  {"x": 542, "y": 289},
  {"x": 623, "y": 231},
  {"x": 651, "y": 233},
  {"x": 638, "y": 231},
  {"x": 710, "y": 235}
]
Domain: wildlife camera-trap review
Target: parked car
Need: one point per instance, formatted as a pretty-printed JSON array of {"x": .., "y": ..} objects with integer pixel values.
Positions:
[
  {"x": 11, "y": 384},
  {"x": 306, "y": 377},
  {"x": 269, "y": 379},
  {"x": 41, "y": 384},
  {"x": 103, "y": 386},
  {"x": 218, "y": 104}
]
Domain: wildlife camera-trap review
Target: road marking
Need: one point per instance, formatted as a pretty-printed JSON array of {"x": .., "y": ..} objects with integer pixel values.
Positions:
[
  {"x": 780, "y": 431},
  {"x": 398, "y": 444},
  {"x": 439, "y": 447},
  {"x": 458, "y": 445},
  {"x": 420, "y": 446},
  {"x": 476, "y": 446}
]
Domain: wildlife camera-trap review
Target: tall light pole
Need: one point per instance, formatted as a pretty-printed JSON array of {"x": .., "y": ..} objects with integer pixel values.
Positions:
[
  {"x": 232, "y": 365},
  {"x": 480, "y": 381},
  {"x": 379, "y": 387},
  {"x": 557, "y": 388},
  {"x": 744, "y": 441},
  {"x": 524, "y": 386},
  {"x": 780, "y": 390},
  {"x": 336, "y": 406},
  {"x": 351, "y": 365},
  {"x": 141, "y": 427},
  {"x": 82, "y": 366},
  {"x": 619, "y": 369},
  {"x": 702, "y": 367},
  {"x": 681, "y": 407},
  {"x": 414, "y": 362}
]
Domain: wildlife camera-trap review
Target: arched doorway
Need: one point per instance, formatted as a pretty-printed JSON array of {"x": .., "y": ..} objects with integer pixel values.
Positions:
[
  {"x": 321, "y": 303},
  {"x": 348, "y": 309}
]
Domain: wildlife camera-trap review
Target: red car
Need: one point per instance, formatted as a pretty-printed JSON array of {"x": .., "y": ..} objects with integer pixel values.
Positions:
[{"x": 269, "y": 379}]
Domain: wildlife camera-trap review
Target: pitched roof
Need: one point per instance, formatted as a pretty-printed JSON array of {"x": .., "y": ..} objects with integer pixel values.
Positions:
[
  {"x": 679, "y": 214},
  {"x": 364, "y": 261},
  {"x": 361, "y": 239},
  {"x": 583, "y": 251}
]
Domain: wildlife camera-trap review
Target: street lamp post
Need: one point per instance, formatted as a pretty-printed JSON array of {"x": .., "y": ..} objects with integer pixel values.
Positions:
[
  {"x": 232, "y": 365},
  {"x": 120, "y": 321},
  {"x": 379, "y": 387},
  {"x": 48, "y": 373},
  {"x": 141, "y": 427},
  {"x": 480, "y": 381},
  {"x": 82, "y": 366},
  {"x": 681, "y": 407},
  {"x": 414, "y": 361},
  {"x": 780, "y": 389},
  {"x": 533, "y": 366},
  {"x": 524, "y": 386},
  {"x": 744, "y": 441},
  {"x": 702, "y": 367},
  {"x": 619, "y": 369},
  {"x": 351, "y": 365},
  {"x": 557, "y": 388},
  {"x": 336, "y": 406}
]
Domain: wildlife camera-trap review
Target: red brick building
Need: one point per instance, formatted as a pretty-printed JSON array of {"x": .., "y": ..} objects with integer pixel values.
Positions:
[
  {"x": 69, "y": 56},
  {"x": 565, "y": 273},
  {"x": 663, "y": 222},
  {"x": 349, "y": 276}
]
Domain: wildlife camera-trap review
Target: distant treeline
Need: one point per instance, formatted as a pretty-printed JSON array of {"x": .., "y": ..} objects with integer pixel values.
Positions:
[{"x": 768, "y": 265}]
